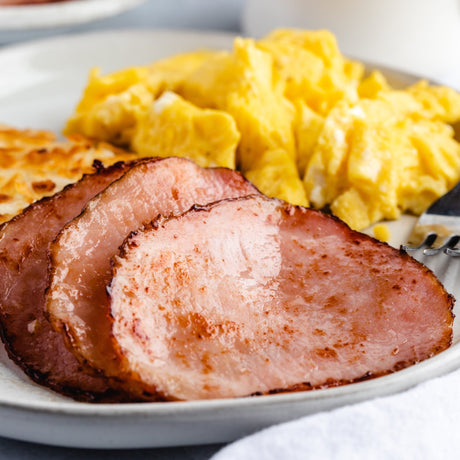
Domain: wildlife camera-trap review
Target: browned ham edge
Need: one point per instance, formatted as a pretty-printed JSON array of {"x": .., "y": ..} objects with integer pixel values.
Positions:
[
  {"x": 80, "y": 267},
  {"x": 29, "y": 339},
  {"x": 255, "y": 296}
]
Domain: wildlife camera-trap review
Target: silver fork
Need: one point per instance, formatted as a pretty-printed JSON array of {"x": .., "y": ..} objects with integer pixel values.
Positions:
[
  {"x": 438, "y": 232},
  {"x": 438, "y": 228}
]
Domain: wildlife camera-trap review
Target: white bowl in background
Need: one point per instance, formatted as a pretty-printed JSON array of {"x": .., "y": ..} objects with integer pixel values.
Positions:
[{"x": 420, "y": 36}]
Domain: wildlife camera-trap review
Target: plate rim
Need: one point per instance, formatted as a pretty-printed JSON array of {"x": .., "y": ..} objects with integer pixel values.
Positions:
[
  {"x": 445, "y": 361},
  {"x": 61, "y": 39}
]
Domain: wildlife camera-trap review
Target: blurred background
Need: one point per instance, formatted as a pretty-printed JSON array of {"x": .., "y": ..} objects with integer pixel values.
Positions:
[
  {"x": 419, "y": 36},
  {"x": 193, "y": 14}
]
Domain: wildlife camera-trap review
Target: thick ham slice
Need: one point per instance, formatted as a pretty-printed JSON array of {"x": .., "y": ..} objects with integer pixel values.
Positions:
[
  {"x": 80, "y": 257},
  {"x": 254, "y": 296},
  {"x": 28, "y": 336}
]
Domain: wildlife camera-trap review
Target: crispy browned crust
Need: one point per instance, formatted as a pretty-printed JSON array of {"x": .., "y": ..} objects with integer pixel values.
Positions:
[
  {"x": 358, "y": 238},
  {"x": 99, "y": 170},
  {"x": 34, "y": 164}
]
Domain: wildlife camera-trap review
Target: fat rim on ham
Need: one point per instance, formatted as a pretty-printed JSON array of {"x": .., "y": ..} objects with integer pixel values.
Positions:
[
  {"x": 80, "y": 256},
  {"x": 29, "y": 338},
  {"x": 255, "y": 296}
]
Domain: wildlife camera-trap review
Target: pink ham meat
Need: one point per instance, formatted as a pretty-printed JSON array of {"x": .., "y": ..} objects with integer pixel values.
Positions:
[
  {"x": 80, "y": 257},
  {"x": 28, "y": 336},
  {"x": 255, "y": 296}
]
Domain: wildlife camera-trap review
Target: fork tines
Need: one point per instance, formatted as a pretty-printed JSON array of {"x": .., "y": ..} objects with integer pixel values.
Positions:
[{"x": 432, "y": 246}]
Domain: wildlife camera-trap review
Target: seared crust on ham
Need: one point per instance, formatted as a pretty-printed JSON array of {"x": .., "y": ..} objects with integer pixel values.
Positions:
[
  {"x": 255, "y": 296},
  {"x": 29, "y": 338},
  {"x": 80, "y": 267}
]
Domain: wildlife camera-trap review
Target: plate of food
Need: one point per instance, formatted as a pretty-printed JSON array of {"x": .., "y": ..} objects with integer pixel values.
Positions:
[{"x": 171, "y": 272}]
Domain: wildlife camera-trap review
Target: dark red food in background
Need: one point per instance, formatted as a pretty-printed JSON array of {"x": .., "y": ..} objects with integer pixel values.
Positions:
[{"x": 27, "y": 2}]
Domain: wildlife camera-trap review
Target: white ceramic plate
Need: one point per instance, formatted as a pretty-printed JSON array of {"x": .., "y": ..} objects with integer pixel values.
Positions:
[
  {"x": 59, "y": 14},
  {"x": 40, "y": 84},
  {"x": 30, "y": 22}
]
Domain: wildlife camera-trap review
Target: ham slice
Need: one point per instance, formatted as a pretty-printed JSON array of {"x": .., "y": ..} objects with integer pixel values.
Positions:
[
  {"x": 80, "y": 269},
  {"x": 253, "y": 295},
  {"x": 28, "y": 336}
]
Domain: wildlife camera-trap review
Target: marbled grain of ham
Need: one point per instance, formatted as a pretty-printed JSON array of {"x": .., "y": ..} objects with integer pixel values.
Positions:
[
  {"x": 256, "y": 296},
  {"x": 81, "y": 255}
]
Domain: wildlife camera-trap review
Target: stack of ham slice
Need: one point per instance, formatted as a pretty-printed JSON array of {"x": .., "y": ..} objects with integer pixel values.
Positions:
[
  {"x": 28, "y": 336},
  {"x": 161, "y": 280},
  {"x": 137, "y": 194}
]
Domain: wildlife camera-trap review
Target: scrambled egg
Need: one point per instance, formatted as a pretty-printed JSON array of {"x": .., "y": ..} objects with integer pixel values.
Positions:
[
  {"x": 175, "y": 127},
  {"x": 276, "y": 175},
  {"x": 110, "y": 106},
  {"x": 382, "y": 232},
  {"x": 244, "y": 84},
  {"x": 33, "y": 165},
  {"x": 382, "y": 156},
  {"x": 297, "y": 118},
  {"x": 312, "y": 67}
]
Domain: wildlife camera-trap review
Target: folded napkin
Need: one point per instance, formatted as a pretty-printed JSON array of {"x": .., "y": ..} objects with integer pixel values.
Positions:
[{"x": 421, "y": 423}]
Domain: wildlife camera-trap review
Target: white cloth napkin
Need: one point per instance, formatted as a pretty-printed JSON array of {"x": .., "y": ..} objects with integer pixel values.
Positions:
[{"x": 421, "y": 423}]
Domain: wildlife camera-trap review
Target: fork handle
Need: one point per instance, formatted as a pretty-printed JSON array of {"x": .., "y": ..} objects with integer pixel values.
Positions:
[{"x": 447, "y": 205}]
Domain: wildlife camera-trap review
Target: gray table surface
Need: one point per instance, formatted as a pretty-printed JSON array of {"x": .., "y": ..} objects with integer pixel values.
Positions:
[
  {"x": 195, "y": 14},
  {"x": 18, "y": 450}
]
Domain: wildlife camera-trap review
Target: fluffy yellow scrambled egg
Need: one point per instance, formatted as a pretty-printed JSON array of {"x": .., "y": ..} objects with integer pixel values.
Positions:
[
  {"x": 174, "y": 127},
  {"x": 297, "y": 118}
]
